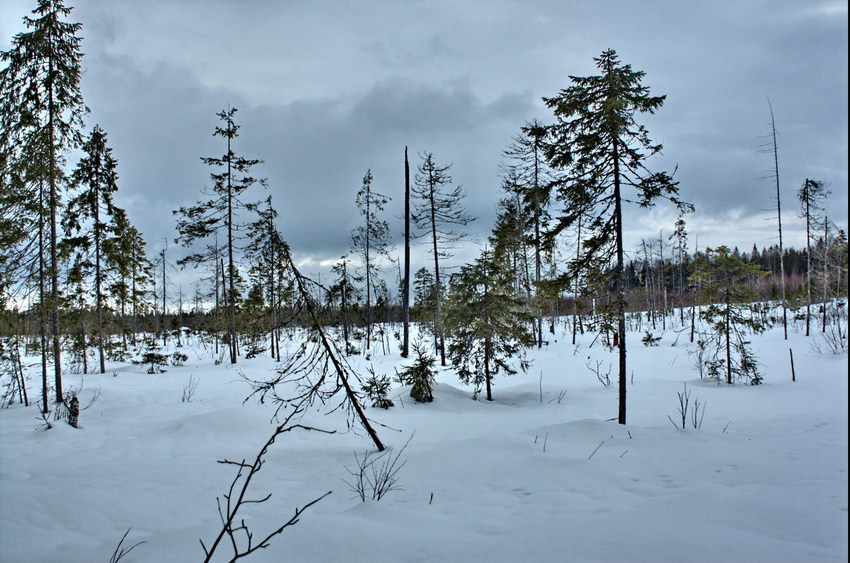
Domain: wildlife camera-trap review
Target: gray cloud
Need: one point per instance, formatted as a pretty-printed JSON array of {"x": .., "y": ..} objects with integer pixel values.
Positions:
[{"x": 327, "y": 90}]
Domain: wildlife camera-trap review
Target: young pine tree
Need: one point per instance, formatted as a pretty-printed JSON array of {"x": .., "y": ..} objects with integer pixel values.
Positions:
[
  {"x": 486, "y": 323},
  {"x": 602, "y": 151}
]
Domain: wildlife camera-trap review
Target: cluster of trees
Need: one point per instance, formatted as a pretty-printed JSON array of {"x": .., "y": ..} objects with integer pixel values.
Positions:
[
  {"x": 74, "y": 274},
  {"x": 67, "y": 248}
]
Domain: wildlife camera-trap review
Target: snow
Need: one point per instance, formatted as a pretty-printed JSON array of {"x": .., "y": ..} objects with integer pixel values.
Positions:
[{"x": 539, "y": 474}]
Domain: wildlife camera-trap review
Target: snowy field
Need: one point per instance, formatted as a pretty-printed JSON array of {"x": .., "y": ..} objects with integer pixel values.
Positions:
[{"x": 539, "y": 474}]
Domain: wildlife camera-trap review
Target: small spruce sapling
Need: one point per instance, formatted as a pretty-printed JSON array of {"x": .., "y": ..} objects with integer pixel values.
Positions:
[
  {"x": 376, "y": 388},
  {"x": 420, "y": 375}
]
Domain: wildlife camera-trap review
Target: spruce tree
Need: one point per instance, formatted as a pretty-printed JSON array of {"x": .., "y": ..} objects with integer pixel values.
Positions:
[
  {"x": 89, "y": 220},
  {"x": 725, "y": 282},
  {"x": 437, "y": 211},
  {"x": 266, "y": 250},
  {"x": 131, "y": 271},
  {"x": 41, "y": 116},
  {"x": 345, "y": 292},
  {"x": 811, "y": 196},
  {"x": 370, "y": 241},
  {"x": 486, "y": 323},
  {"x": 534, "y": 186},
  {"x": 602, "y": 151},
  {"x": 231, "y": 179}
]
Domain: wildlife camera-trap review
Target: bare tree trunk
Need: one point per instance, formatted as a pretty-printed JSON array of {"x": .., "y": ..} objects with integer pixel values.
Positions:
[
  {"x": 438, "y": 325},
  {"x": 54, "y": 254},
  {"x": 779, "y": 221},
  {"x": 230, "y": 265},
  {"x": 405, "y": 349},
  {"x": 620, "y": 286},
  {"x": 808, "y": 260}
]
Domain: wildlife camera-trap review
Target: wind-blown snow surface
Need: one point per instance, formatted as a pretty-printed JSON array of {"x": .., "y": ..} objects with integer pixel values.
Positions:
[{"x": 518, "y": 479}]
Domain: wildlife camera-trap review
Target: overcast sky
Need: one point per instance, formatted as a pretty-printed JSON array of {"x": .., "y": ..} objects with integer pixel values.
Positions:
[{"x": 329, "y": 89}]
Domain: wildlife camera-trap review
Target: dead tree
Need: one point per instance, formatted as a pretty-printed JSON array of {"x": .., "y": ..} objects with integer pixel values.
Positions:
[{"x": 317, "y": 371}]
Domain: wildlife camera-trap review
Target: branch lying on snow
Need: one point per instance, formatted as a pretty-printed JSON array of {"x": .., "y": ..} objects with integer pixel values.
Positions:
[{"x": 240, "y": 536}]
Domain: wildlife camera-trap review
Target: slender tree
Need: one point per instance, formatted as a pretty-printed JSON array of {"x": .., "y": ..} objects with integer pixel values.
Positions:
[
  {"x": 438, "y": 210},
  {"x": 41, "y": 116},
  {"x": 219, "y": 213},
  {"x": 535, "y": 186},
  {"x": 89, "y": 220},
  {"x": 344, "y": 290},
  {"x": 811, "y": 196},
  {"x": 266, "y": 250},
  {"x": 774, "y": 149},
  {"x": 370, "y": 240},
  {"x": 602, "y": 150},
  {"x": 405, "y": 347},
  {"x": 132, "y": 271}
]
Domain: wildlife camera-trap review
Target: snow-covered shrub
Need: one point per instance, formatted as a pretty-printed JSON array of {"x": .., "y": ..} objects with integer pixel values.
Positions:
[
  {"x": 833, "y": 340},
  {"x": 178, "y": 358}
]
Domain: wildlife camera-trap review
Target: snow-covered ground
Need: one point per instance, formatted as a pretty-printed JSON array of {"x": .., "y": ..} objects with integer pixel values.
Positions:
[{"x": 539, "y": 474}]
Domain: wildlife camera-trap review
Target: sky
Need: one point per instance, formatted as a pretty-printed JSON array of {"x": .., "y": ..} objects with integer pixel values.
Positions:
[{"x": 328, "y": 90}]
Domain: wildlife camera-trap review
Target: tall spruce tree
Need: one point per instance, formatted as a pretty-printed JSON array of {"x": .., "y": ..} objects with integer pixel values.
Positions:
[
  {"x": 219, "y": 213},
  {"x": 41, "y": 116},
  {"x": 437, "y": 211},
  {"x": 486, "y": 323},
  {"x": 89, "y": 221},
  {"x": 602, "y": 150},
  {"x": 370, "y": 241}
]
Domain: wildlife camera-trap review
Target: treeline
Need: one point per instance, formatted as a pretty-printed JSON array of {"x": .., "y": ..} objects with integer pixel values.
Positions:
[{"x": 75, "y": 277}]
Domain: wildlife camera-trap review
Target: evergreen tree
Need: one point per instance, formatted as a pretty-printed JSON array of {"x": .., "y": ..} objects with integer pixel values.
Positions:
[
  {"x": 345, "y": 291},
  {"x": 602, "y": 150},
  {"x": 511, "y": 232},
  {"x": 41, "y": 116},
  {"x": 436, "y": 212},
  {"x": 425, "y": 302},
  {"x": 724, "y": 279},
  {"x": 420, "y": 374},
  {"x": 131, "y": 269},
  {"x": 534, "y": 186},
  {"x": 370, "y": 241},
  {"x": 219, "y": 213},
  {"x": 89, "y": 220},
  {"x": 811, "y": 196},
  {"x": 266, "y": 250},
  {"x": 486, "y": 323}
]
